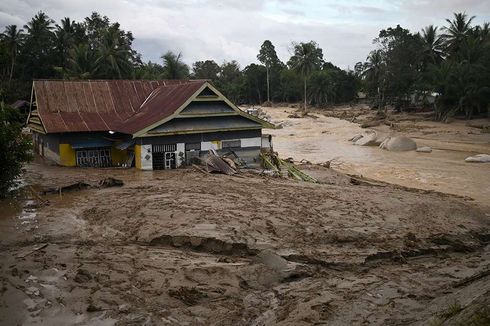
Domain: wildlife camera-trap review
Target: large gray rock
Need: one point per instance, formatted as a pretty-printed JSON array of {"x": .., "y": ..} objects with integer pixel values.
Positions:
[
  {"x": 366, "y": 140},
  {"x": 479, "y": 158},
  {"x": 399, "y": 144}
]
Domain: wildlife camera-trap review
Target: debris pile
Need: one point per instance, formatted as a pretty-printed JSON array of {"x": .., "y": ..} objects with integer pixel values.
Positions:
[
  {"x": 272, "y": 162},
  {"x": 215, "y": 163},
  {"x": 259, "y": 113},
  {"x": 81, "y": 185}
]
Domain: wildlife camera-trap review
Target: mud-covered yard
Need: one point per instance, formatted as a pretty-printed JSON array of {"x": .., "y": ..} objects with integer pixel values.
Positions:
[{"x": 185, "y": 248}]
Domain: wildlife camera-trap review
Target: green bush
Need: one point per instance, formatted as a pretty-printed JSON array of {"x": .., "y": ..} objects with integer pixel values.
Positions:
[{"x": 15, "y": 148}]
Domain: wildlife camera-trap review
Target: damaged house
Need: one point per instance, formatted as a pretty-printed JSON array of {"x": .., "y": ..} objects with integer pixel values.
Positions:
[{"x": 147, "y": 124}]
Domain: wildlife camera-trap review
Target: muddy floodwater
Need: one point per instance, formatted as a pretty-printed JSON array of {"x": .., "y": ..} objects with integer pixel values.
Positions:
[{"x": 325, "y": 138}]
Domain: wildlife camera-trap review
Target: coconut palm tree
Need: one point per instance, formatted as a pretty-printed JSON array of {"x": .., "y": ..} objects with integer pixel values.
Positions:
[
  {"x": 307, "y": 58},
  {"x": 81, "y": 63},
  {"x": 64, "y": 39},
  {"x": 173, "y": 67},
  {"x": 373, "y": 67},
  {"x": 457, "y": 31},
  {"x": 113, "y": 57},
  {"x": 433, "y": 44},
  {"x": 13, "y": 38}
]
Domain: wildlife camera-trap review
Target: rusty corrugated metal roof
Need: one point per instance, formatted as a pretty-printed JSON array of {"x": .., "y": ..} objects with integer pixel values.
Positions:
[
  {"x": 160, "y": 104},
  {"x": 102, "y": 105}
]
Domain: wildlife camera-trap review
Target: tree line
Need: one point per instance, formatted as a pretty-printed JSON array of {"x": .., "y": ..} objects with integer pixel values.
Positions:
[
  {"x": 97, "y": 48},
  {"x": 451, "y": 62}
]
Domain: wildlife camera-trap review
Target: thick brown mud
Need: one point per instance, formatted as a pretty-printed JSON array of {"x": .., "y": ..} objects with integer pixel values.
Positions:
[{"x": 183, "y": 248}]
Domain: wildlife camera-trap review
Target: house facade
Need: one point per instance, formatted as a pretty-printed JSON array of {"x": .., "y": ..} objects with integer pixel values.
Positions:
[{"x": 147, "y": 124}]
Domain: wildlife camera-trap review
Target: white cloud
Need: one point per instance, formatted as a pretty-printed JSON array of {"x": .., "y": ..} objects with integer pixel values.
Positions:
[{"x": 235, "y": 29}]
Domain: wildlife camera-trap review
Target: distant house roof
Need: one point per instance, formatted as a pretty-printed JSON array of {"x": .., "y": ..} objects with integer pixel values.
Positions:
[
  {"x": 103, "y": 105},
  {"x": 19, "y": 104}
]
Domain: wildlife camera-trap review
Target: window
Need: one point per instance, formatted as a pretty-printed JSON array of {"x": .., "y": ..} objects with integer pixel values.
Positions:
[
  {"x": 164, "y": 148},
  {"x": 96, "y": 157},
  {"x": 193, "y": 146}
]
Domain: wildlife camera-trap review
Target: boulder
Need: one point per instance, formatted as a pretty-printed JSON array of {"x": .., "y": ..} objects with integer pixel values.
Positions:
[
  {"x": 367, "y": 140},
  {"x": 479, "y": 158},
  {"x": 399, "y": 144},
  {"x": 424, "y": 149}
]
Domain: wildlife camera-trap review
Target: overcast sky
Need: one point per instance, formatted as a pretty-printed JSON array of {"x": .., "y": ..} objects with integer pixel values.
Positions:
[{"x": 235, "y": 29}]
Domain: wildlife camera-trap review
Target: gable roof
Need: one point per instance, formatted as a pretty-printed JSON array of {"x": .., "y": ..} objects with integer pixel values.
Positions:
[
  {"x": 154, "y": 106},
  {"x": 94, "y": 105}
]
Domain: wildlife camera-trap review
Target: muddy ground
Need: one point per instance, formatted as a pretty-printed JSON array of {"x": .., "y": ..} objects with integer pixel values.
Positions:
[
  {"x": 323, "y": 135},
  {"x": 185, "y": 248}
]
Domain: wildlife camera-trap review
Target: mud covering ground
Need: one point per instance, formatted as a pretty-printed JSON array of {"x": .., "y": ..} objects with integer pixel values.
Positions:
[
  {"x": 323, "y": 136},
  {"x": 184, "y": 248}
]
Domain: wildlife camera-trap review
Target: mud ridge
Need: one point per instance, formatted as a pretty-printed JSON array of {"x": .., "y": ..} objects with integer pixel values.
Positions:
[{"x": 204, "y": 244}]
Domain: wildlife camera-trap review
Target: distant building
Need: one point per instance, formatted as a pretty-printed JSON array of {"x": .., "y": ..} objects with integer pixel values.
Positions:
[{"x": 149, "y": 124}]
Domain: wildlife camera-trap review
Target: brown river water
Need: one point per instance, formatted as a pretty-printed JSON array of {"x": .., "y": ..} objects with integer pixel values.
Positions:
[{"x": 326, "y": 138}]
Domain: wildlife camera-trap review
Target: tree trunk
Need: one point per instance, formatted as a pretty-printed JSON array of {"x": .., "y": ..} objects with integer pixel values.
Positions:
[
  {"x": 305, "y": 96},
  {"x": 268, "y": 94},
  {"x": 12, "y": 69}
]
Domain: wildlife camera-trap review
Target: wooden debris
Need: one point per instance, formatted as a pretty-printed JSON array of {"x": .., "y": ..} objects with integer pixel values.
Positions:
[
  {"x": 38, "y": 247},
  {"x": 214, "y": 163},
  {"x": 200, "y": 169},
  {"x": 472, "y": 278},
  {"x": 273, "y": 162}
]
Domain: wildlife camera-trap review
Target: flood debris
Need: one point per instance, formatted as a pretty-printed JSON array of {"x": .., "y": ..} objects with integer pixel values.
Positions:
[
  {"x": 77, "y": 186},
  {"x": 110, "y": 182},
  {"x": 215, "y": 163},
  {"x": 32, "y": 250},
  {"x": 82, "y": 276},
  {"x": 188, "y": 295},
  {"x": 82, "y": 185},
  {"x": 424, "y": 149},
  {"x": 272, "y": 162}
]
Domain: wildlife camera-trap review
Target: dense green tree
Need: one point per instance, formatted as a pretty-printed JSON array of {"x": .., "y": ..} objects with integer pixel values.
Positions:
[
  {"x": 149, "y": 71},
  {"x": 254, "y": 83},
  {"x": 64, "y": 40},
  {"x": 268, "y": 56},
  {"x": 14, "y": 148},
  {"x": 230, "y": 81},
  {"x": 38, "y": 51},
  {"x": 433, "y": 46},
  {"x": 208, "y": 69},
  {"x": 173, "y": 67},
  {"x": 457, "y": 31},
  {"x": 307, "y": 58},
  {"x": 12, "y": 39},
  {"x": 113, "y": 55},
  {"x": 81, "y": 63}
]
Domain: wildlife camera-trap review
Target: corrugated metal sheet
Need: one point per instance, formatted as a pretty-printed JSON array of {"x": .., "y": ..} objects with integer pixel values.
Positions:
[
  {"x": 160, "y": 104},
  {"x": 102, "y": 105}
]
